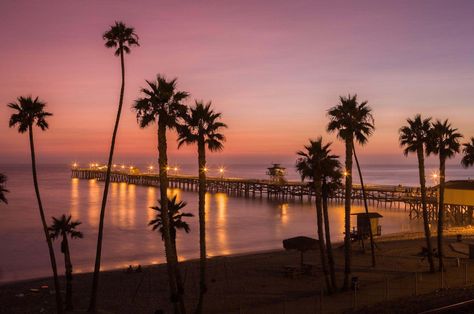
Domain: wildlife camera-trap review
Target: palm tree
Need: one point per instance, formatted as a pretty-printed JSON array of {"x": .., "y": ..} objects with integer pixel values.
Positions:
[
  {"x": 202, "y": 126},
  {"x": 331, "y": 178},
  {"x": 162, "y": 104},
  {"x": 414, "y": 137},
  {"x": 468, "y": 152},
  {"x": 30, "y": 112},
  {"x": 64, "y": 227},
  {"x": 121, "y": 38},
  {"x": 175, "y": 218},
  {"x": 352, "y": 121},
  {"x": 443, "y": 140},
  {"x": 3, "y": 190},
  {"x": 312, "y": 163}
]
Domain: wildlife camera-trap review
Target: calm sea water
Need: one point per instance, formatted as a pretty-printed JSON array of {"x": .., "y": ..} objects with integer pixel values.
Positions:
[{"x": 234, "y": 225}]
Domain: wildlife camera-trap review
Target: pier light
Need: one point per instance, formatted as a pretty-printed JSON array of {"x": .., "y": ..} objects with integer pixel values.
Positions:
[
  {"x": 205, "y": 169},
  {"x": 221, "y": 171},
  {"x": 123, "y": 167},
  {"x": 168, "y": 168},
  {"x": 74, "y": 165},
  {"x": 345, "y": 173},
  {"x": 114, "y": 165}
]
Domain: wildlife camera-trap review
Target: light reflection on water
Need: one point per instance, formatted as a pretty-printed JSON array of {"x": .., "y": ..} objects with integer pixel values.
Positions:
[{"x": 234, "y": 225}]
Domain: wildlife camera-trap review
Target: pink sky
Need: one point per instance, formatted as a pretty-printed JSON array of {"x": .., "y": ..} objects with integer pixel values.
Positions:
[{"x": 272, "y": 68}]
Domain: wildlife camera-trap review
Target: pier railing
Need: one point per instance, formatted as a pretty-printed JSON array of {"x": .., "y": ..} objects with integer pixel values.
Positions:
[
  {"x": 256, "y": 187},
  {"x": 398, "y": 197}
]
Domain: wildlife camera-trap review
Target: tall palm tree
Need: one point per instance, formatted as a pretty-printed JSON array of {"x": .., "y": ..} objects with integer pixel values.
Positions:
[
  {"x": 312, "y": 164},
  {"x": 352, "y": 122},
  {"x": 64, "y": 227},
  {"x": 202, "y": 127},
  {"x": 331, "y": 182},
  {"x": 162, "y": 104},
  {"x": 414, "y": 137},
  {"x": 175, "y": 218},
  {"x": 443, "y": 140},
  {"x": 3, "y": 190},
  {"x": 29, "y": 113},
  {"x": 121, "y": 38},
  {"x": 468, "y": 161},
  {"x": 468, "y": 154}
]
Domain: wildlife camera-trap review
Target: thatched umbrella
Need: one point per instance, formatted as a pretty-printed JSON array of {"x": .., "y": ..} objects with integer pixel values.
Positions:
[{"x": 301, "y": 244}]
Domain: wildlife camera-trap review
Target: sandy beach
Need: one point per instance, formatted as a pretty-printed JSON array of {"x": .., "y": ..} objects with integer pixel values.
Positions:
[{"x": 257, "y": 283}]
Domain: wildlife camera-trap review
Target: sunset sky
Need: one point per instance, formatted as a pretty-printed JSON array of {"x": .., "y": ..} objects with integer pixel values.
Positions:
[{"x": 273, "y": 68}]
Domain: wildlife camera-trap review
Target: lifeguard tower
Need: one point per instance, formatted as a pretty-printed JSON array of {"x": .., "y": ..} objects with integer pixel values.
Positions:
[
  {"x": 277, "y": 173},
  {"x": 365, "y": 222}
]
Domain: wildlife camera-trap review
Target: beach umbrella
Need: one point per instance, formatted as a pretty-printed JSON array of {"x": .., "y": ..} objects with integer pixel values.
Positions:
[{"x": 301, "y": 244}]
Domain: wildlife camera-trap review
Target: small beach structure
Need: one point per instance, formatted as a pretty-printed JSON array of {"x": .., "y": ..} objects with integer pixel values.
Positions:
[
  {"x": 365, "y": 222},
  {"x": 277, "y": 173}
]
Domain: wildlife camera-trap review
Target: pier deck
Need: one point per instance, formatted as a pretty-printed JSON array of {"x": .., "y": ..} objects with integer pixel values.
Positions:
[
  {"x": 384, "y": 195},
  {"x": 395, "y": 197}
]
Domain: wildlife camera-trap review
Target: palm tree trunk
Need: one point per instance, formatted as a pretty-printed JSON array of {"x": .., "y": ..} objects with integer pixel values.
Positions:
[
  {"x": 442, "y": 168},
  {"x": 421, "y": 171},
  {"x": 332, "y": 270},
  {"x": 57, "y": 288},
  {"x": 179, "y": 280},
  {"x": 202, "y": 224},
  {"x": 98, "y": 255},
  {"x": 68, "y": 266},
  {"x": 347, "y": 216},
  {"x": 364, "y": 196},
  {"x": 171, "y": 257},
  {"x": 319, "y": 220}
]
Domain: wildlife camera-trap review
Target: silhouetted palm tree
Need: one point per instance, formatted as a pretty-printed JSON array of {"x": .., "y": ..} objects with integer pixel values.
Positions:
[
  {"x": 414, "y": 137},
  {"x": 202, "y": 126},
  {"x": 3, "y": 190},
  {"x": 121, "y": 38},
  {"x": 313, "y": 163},
  {"x": 468, "y": 154},
  {"x": 64, "y": 227},
  {"x": 162, "y": 104},
  {"x": 352, "y": 122},
  {"x": 30, "y": 112},
  {"x": 331, "y": 183},
  {"x": 443, "y": 140},
  {"x": 175, "y": 218}
]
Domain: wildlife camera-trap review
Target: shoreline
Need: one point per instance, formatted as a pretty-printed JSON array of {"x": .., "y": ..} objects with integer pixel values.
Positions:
[
  {"x": 384, "y": 238},
  {"x": 252, "y": 282},
  {"x": 393, "y": 237}
]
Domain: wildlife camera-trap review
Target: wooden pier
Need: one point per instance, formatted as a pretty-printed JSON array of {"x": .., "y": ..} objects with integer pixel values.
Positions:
[
  {"x": 395, "y": 197},
  {"x": 291, "y": 190}
]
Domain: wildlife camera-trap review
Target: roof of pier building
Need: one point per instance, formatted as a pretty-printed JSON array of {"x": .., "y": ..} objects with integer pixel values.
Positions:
[{"x": 459, "y": 192}]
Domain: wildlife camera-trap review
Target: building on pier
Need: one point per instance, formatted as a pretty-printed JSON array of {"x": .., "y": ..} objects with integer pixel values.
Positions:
[
  {"x": 277, "y": 173},
  {"x": 459, "y": 201}
]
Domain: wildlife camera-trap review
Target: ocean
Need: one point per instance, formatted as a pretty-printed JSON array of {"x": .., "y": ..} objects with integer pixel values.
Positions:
[{"x": 234, "y": 225}]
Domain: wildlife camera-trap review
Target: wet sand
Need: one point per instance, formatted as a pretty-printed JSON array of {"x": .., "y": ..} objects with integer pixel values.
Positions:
[{"x": 257, "y": 283}]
